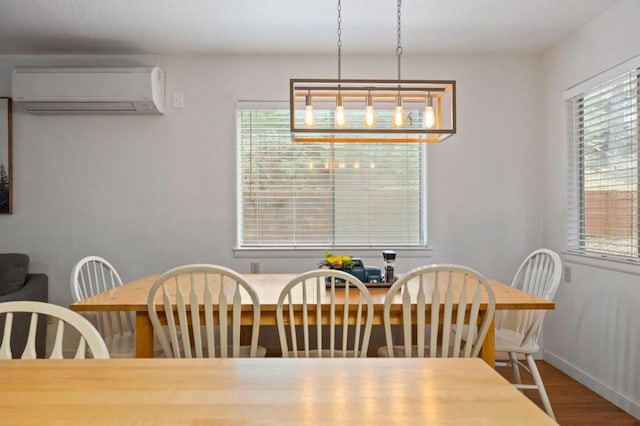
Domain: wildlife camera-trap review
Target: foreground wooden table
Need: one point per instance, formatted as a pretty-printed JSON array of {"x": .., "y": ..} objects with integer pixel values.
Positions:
[
  {"x": 133, "y": 297},
  {"x": 268, "y": 391}
]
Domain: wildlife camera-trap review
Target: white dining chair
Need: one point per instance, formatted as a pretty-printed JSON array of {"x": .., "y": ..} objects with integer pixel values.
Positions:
[
  {"x": 201, "y": 303},
  {"x": 333, "y": 301},
  {"x": 444, "y": 296},
  {"x": 62, "y": 317},
  {"x": 517, "y": 332},
  {"x": 93, "y": 275}
]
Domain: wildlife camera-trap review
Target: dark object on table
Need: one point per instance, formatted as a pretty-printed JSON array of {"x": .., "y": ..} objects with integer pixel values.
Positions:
[
  {"x": 389, "y": 257},
  {"x": 18, "y": 285},
  {"x": 366, "y": 274},
  {"x": 369, "y": 275}
]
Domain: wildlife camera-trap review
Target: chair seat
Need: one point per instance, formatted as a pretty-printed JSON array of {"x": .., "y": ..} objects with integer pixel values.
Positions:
[
  {"x": 398, "y": 351},
  {"x": 510, "y": 341},
  {"x": 323, "y": 353},
  {"x": 244, "y": 352}
]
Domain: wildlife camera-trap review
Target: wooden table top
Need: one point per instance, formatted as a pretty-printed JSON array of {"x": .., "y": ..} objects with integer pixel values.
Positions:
[
  {"x": 268, "y": 391},
  {"x": 133, "y": 296}
]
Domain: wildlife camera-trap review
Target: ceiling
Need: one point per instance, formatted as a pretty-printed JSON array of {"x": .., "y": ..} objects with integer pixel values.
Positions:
[{"x": 288, "y": 26}]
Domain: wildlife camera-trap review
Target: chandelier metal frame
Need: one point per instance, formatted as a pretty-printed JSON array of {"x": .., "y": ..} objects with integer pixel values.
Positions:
[{"x": 431, "y": 105}]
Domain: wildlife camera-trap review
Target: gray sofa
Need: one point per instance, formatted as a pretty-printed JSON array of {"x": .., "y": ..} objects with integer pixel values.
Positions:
[{"x": 18, "y": 285}]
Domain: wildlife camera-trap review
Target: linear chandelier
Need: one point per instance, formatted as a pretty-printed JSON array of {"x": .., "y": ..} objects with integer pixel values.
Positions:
[{"x": 396, "y": 111}]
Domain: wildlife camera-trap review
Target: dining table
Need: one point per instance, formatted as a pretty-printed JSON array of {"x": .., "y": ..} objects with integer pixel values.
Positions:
[
  {"x": 261, "y": 391},
  {"x": 132, "y": 297}
]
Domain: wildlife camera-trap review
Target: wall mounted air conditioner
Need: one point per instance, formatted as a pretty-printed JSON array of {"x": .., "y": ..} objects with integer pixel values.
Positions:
[{"x": 133, "y": 90}]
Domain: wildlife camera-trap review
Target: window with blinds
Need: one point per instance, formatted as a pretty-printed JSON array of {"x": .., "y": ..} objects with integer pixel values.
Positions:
[
  {"x": 603, "y": 169},
  {"x": 325, "y": 194}
]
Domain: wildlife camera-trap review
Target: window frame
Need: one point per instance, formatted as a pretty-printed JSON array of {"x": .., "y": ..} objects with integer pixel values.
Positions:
[
  {"x": 420, "y": 249},
  {"x": 576, "y": 208}
]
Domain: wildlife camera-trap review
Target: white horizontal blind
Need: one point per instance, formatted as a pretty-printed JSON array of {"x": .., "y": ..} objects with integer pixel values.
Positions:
[
  {"x": 325, "y": 194},
  {"x": 603, "y": 207}
]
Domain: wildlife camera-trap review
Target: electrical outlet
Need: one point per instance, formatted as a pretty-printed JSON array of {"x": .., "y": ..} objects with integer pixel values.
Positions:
[
  {"x": 255, "y": 267},
  {"x": 567, "y": 274}
]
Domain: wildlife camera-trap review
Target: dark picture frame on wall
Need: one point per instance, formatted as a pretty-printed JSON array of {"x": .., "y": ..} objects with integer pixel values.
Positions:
[{"x": 6, "y": 152}]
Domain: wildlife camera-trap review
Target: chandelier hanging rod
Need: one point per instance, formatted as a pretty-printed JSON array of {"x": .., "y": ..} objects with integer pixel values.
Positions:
[{"x": 399, "y": 48}]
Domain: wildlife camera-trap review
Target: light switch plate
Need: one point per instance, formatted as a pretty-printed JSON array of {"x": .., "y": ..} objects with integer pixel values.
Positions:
[{"x": 178, "y": 100}]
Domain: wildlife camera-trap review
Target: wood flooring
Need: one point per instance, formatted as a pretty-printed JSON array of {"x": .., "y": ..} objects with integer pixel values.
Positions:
[{"x": 573, "y": 403}]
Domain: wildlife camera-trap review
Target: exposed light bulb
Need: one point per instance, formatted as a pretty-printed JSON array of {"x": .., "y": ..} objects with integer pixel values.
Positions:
[
  {"x": 369, "y": 113},
  {"x": 309, "y": 118},
  {"x": 429, "y": 118},
  {"x": 398, "y": 115},
  {"x": 429, "y": 114},
  {"x": 340, "y": 119},
  {"x": 369, "y": 117}
]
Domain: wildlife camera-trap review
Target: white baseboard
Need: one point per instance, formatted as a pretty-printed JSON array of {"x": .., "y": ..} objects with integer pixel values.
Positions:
[{"x": 626, "y": 404}]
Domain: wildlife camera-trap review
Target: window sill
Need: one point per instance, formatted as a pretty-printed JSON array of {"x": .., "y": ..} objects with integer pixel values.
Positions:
[
  {"x": 603, "y": 262},
  {"x": 315, "y": 253}
]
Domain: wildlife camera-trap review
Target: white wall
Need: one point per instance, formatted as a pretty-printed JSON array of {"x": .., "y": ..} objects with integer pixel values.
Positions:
[
  {"x": 594, "y": 333},
  {"x": 150, "y": 193},
  {"x": 153, "y": 192}
]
